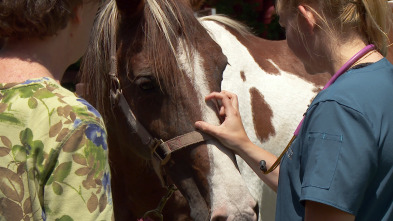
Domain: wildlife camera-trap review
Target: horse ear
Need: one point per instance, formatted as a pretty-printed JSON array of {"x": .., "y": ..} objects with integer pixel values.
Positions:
[
  {"x": 196, "y": 4},
  {"x": 130, "y": 8}
]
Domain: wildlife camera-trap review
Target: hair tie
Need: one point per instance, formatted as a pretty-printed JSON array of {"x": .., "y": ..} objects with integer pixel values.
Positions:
[{"x": 358, "y": 4}]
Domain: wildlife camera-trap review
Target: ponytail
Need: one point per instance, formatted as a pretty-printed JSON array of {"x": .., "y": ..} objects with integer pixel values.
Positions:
[
  {"x": 370, "y": 19},
  {"x": 377, "y": 23}
]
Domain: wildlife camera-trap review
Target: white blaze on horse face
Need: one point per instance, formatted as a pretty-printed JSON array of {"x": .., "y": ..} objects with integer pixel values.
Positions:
[
  {"x": 286, "y": 94},
  {"x": 228, "y": 192}
]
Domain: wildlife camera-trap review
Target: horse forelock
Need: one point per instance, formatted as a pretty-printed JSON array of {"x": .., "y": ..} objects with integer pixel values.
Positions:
[
  {"x": 166, "y": 26},
  {"x": 170, "y": 29}
]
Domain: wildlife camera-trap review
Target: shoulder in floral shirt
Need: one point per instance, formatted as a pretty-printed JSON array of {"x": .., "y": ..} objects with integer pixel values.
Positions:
[{"x": 53, "y": 155}]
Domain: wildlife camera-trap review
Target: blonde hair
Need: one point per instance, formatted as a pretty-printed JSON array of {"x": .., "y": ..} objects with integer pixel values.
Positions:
[{"x": 370, "y": 19}]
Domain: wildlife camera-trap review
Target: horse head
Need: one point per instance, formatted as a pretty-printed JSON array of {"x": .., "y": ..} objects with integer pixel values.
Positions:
[{"x": 164, "y": 63}]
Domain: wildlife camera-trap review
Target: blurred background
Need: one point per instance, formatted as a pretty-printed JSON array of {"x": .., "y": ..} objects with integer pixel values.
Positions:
[{"x": 258, "y": 14}]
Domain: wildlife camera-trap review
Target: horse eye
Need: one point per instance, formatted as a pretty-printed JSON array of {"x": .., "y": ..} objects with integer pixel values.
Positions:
[
  {"x": 147, "y": 86},
  {"x": 146, "y": 83}
]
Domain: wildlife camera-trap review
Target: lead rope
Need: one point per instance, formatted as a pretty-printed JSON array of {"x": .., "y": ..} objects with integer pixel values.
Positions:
[{"x": 157, "y": 212}]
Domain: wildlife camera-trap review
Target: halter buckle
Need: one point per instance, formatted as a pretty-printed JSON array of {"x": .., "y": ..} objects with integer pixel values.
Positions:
[
  {"x": 115, "y": 90},
  {"x": 161, "y": 151}
]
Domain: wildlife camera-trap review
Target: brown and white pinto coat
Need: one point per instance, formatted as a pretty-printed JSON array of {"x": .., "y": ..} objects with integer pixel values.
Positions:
[{"x": 273, "y": 90}]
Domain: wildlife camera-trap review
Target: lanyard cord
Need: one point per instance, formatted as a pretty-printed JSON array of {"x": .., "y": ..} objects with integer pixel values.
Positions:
[{"x": 342, "y": 70}]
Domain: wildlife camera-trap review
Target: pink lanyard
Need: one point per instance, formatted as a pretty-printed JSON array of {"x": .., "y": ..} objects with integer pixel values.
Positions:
[{"x": 342, "y": 70}]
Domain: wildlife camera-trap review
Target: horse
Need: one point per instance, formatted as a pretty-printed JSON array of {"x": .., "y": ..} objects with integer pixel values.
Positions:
[
  {"x": 164, "y": 61},
  {"x": 196, "y": 4},
  {"x": 165, "y": 68}
]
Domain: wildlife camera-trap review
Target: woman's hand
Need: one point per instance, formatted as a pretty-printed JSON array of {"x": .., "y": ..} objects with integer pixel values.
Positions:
[{"x": 231, "y": 132}]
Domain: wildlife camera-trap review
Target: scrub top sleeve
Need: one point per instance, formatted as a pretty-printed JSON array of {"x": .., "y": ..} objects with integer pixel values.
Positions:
[{"x": 339, "y": 156}]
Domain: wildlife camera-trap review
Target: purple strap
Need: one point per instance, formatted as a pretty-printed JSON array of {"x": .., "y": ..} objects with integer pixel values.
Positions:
[{"x": 341, "y": 71}]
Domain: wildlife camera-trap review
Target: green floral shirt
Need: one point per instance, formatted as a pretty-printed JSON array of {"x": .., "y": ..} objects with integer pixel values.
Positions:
[{"x": 53, "y": 155}]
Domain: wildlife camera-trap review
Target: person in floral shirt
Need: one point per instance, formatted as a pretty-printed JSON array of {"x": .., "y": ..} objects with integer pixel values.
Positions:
[{"x": 53, "y": 147}]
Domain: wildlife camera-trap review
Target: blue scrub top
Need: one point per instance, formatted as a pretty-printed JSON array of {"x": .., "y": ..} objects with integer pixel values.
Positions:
[{"x": 343, "y": 156}]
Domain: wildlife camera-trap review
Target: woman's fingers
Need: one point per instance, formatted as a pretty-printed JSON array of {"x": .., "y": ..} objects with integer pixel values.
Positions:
[
  {"x": 220, "y": 95},
  {"x": 231, "y": 131},
  {"x": 233, "y": 98},
  {"x": 206, "y": 127},
  {"x": 222, "y": 111},
  {"x": 214, "y": 95},
  {"x": 228, "y": 100}
]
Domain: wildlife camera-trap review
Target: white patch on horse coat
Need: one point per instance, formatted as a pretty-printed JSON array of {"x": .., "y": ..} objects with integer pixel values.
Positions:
[
  {"x": 286, "y": 94},
  {"x": 229, "y": 194}
]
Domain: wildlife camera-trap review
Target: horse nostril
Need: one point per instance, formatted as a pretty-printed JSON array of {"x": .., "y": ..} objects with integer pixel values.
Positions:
[
  {"x": 219, "y": 218},
  {"x": 219, "y": 215},
  {"x": 237, "y": 217},
  {"x": 228, "y": 213},
  {"x": 256, "y": 210}
]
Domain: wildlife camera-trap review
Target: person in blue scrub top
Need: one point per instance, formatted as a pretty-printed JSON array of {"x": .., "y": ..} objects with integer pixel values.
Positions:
[{"x": 340, "y": 166}]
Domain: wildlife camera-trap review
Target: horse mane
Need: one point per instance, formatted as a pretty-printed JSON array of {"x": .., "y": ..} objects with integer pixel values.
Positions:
[
  {"x": 237, "y": 26},
  {"x": 164, "y": 25},
  {"x": 161, "y": 18},
  {"x": 169, "y": 26}
]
